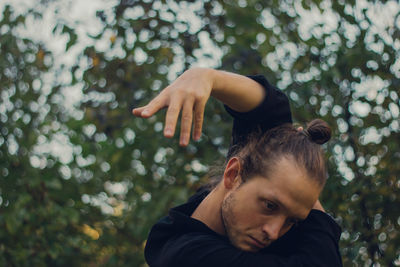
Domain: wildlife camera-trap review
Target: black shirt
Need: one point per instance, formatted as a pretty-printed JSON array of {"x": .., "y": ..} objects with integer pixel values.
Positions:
[{"x": 179, "y": 240}]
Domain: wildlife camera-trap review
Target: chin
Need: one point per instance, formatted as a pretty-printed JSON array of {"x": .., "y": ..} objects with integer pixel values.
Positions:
[
  {"x": 252, "y": 249},
  {"x": 247, "y": 247}
]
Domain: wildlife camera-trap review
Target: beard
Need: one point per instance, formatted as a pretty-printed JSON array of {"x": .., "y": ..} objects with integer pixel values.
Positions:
[
  {"x": 229, "y": 219},
  {"x": 237, "y": 236}
]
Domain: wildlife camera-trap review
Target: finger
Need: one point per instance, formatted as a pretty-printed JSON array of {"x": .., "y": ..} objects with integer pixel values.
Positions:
[
  {"x": 138, "y": 111},
  {"x": 147, "y": 111},
  {"x": 155, "y": 105},
  {"x": 198, "y": 120},
  {"x": 186, "y": 123},
  {"x": 171, "y": 118}
]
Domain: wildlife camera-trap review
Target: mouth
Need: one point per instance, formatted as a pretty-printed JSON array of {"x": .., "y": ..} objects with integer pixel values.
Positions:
[{"x": 257, "y": 243}]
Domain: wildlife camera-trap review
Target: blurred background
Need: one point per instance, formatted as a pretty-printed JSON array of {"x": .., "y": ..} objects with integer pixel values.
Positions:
[{"x": 82, "y": 181}]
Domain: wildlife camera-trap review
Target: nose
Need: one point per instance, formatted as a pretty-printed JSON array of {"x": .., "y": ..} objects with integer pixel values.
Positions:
[{"x": 273, "y": 228}]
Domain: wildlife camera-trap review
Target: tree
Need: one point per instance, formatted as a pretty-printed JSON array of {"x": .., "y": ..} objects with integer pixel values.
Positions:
[{"x": 336, "y": 60}]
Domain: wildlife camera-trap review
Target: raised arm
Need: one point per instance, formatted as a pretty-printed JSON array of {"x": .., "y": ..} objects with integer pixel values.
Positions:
[{"x": 189, "y": 93}]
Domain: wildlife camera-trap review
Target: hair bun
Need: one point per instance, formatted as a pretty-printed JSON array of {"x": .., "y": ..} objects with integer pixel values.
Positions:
[{"x": 318, "y": 131}]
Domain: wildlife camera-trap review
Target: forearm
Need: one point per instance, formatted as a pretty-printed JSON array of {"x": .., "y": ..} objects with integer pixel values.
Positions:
[
  {"x": 188, "y": 94},
  {"x": 239, "y": 92}
]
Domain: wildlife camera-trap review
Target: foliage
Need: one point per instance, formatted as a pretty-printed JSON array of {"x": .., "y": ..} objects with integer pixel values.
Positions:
[{"x": 94, "y": 201}]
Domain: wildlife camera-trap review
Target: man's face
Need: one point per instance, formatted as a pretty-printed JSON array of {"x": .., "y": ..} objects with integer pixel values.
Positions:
[{"x": 263, "y": 209}]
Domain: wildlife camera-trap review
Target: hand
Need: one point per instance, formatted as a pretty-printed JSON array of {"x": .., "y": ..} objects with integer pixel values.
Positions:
[{"x": 188, "y": 93}]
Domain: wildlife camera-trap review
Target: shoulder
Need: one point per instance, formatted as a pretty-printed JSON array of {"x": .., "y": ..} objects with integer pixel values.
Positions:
[
  {"x": 191, "y": 249},
  {"x": 202, "y": 249}
]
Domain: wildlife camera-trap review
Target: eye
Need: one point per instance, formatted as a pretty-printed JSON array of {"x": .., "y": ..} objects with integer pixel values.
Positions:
[{"x": 270, "y": 206}]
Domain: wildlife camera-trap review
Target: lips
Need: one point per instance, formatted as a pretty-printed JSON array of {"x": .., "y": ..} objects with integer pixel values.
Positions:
[{"x": 257, "y": 243}]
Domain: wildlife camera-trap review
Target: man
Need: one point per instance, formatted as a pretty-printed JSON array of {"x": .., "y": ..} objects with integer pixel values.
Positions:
[{"x": 265, "y": 210}]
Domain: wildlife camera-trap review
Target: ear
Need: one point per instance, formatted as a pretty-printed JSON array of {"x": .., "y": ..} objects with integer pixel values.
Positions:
[{"x": 232, "y": 176}]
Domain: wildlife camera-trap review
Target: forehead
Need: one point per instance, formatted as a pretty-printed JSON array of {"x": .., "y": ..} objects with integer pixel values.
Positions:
[{"x": 288, "y": 186}]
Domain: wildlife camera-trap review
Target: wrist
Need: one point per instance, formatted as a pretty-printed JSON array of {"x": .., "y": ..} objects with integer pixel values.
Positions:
[
  {"x": 207, "y": 76},
  {"x": 216, "y": 81}
]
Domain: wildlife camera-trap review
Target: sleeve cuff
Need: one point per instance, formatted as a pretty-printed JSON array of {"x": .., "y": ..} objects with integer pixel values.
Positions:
[
  {"x": 274, "y": 106},
  {"x": 252, "y": 113}
]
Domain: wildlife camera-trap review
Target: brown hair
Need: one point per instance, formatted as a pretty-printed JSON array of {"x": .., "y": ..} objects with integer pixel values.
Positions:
[{"x": 261, "y": 151}]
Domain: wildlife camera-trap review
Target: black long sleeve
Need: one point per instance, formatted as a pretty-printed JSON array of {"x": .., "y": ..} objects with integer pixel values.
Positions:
[
  {"x": 274, "y": 110},
  {"x": 179, "y": 240},
  {"x": 314, "y": 244}
]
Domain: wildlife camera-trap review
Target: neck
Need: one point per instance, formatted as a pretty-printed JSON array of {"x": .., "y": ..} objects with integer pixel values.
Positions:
[{"x": 209, "y": 211}]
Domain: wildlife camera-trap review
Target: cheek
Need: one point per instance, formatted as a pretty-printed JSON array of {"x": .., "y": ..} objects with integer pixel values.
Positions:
[
  {"x": 250, "y": 214},
  {"x": 249, "y": 218},
  {"x": 238, "y": 217},
  {"x": 243, "y": 211}
]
